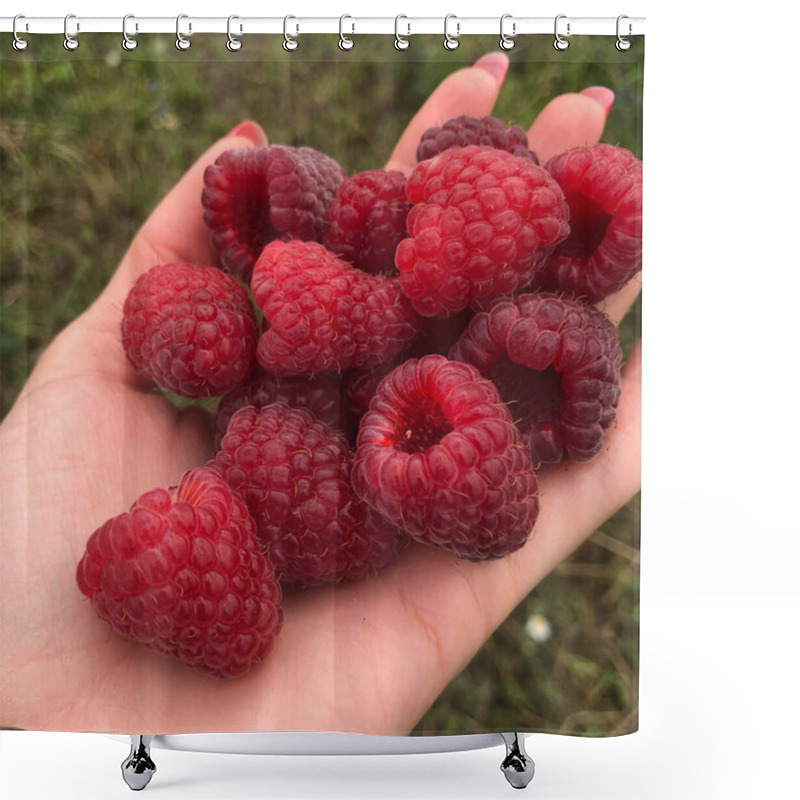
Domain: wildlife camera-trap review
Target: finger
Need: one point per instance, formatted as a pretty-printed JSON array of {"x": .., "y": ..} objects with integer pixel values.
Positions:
[
  {"x": 570, "y": 120},
  {"x": 617, "y": 305},
  {"x": 175, "y": 231},
  {"x": 472, "y": 91}
]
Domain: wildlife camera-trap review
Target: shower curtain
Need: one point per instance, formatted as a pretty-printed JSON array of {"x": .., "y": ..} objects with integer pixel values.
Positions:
[{"x": 320, "y": 391}]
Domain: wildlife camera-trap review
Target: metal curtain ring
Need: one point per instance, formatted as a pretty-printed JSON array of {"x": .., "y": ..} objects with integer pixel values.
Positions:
[
  {"x": 451, "y": 42},
  {"x": 560, "y": 42},
  {"x": 128, "y": 42},
  {"x": 400, "y": 42},
  {"x": 234, "y": 43},
  {"x": 623, "y": 43},
  {"x": 289, "y": 42},
  {"x": 182, "y": 42},
  {"x": 507, "y": 42},
  {"x": 345, "y": 42},
  {"x": 19, "y": 43},
  {"x": 70, "y": 42}
]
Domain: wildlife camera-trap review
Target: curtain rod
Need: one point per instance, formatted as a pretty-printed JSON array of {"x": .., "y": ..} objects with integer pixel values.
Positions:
[{"x": 451, "y": 27}]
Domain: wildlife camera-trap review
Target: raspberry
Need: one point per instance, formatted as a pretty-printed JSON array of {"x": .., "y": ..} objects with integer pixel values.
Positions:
[
  {"x": 254, "y": 195},
  {"x": 464, "y": 131},
  {"x": 556, "y": 361},
  {"x": 367, "y": 220},
  {"x": 438, "y": 454},
  {"x": 322, "y": 315},
  {"x": 319, "y": 394},
  {"x": 190, "y": 328},
  {"x": 182, "y": 572},
  {"x": 482, "y": 222},
  {"x": 293, "y": 472},
  {"x": 603, "y": 188}
]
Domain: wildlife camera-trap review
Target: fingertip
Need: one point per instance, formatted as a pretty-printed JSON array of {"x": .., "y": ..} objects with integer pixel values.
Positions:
[
  {"x": 569, "y": 120},
  {"x": 600, "y": 94},
  {"x": 249, "y": 130},
  {"x": 495, "y": 63}
]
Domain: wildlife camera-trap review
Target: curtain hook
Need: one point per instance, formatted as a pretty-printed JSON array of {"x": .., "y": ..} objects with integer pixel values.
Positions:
[
  {"x": 128, "y": 42},
  {"x": 234, "y": 43},
  {"x": 400, "y": 42},
  {"x": 451, "y": 42},
  {"x": 345, "y": 42},
  {"x": 622, "y": 43},
  {"x": 507, "y": 42},
  {"x": 70, "y": 42},
  {"x": 289, "y": 42},
  {"x": 560, "y": 42},
  {"x": 19, "y": 43},
  {"x": 182, "y": 42}
]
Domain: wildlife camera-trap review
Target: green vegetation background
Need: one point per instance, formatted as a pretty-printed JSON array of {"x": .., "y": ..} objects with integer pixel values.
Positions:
[{"x": 91, "y": 140}]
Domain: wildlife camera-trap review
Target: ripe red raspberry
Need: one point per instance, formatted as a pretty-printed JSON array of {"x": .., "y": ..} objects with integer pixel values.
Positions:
[
  {"x": 293, "y": 471},
  {"x": 482, "y": 222},
  {"x": 322, "y": 315},
  {"x": 190, "y": 328},
  {"x": 183, "y": 573},
  {"x": 367, "y": 219},
  {"x": 319, "y": 394},
  {"x": 603, "y": 188},
  {"x": 556, "y": 362},
  {"x": 438, "y": 454},
  {"x": 465, "y": 130},
  {"x": 254, "y": 195}
]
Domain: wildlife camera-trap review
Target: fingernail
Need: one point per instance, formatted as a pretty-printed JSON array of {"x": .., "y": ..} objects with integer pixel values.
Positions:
[
  {"x": 496, "y": 64},
  {"x": 249, "y": 130},
  {"x": 602, "y": 95}
]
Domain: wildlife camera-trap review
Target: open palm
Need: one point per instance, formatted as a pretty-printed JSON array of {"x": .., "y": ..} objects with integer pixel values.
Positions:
[{"x": 87, "y": 436}]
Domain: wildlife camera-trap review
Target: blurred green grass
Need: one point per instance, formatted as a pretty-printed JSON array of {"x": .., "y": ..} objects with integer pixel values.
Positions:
[{"x": 90, "y": 141}]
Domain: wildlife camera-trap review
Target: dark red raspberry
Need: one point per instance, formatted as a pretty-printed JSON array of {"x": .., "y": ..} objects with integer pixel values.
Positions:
[
  {"x": 556, "y": 362},
  {"x": 482, "y": 222},
  {"x": 183, "y": 573},
  {"x": 190, "y": 328},
  {"x": 293, "y": 472},
  {"x": 464, "y": 131},
  {"x": 319, "y": 394},
  {"x": 367, "y": 220},
  {"x": 439, "y": 455},
  {"x": 254, "y": 195},
  {"x": 322, "y": 315},
  {"x": 603, "y": 188}
]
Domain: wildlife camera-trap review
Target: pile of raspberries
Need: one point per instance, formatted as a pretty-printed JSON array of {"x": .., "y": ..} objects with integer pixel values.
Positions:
[{"x": 395, "y": 359}]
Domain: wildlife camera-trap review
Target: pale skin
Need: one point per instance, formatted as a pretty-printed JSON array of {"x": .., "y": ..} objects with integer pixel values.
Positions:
[{"x": 87, "y": 436}]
